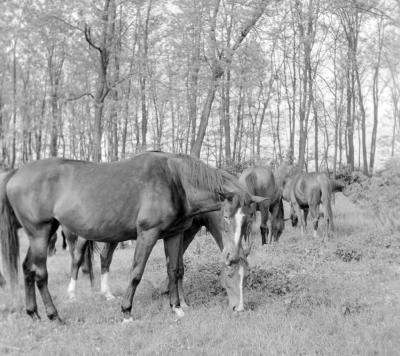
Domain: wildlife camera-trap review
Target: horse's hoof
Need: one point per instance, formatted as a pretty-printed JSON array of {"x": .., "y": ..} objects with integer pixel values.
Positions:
[
  {"x": 34, "y": 315},
  {"x": 109, "y": 296},
  {"x": 55, "y": 317},
  {"x": 184, "y": 305},
  {"x": 127, "y": 320},
  {"x": 72, "y": 297},
  {"x": 178, "y": 312}
]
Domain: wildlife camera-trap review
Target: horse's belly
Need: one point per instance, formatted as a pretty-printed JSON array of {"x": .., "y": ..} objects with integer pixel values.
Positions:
[{"x": 104, "y": 223}]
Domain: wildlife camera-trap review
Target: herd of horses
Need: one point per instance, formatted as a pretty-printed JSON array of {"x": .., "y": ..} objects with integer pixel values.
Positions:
[{"x": 154, "y": 195}]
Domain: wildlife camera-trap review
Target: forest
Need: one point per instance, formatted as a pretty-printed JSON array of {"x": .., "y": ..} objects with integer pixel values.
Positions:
[{"x": 234, "y": 82}]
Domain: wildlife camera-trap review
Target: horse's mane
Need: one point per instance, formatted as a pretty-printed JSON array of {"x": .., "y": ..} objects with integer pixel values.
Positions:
[{"x": 201, "y": 175}]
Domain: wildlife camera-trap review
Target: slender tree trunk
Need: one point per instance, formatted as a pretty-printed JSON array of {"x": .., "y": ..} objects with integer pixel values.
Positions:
[
  {"x": 316, "y": 155},
  {"x": 227, "y": 118},
  {"x": 14, "y": 105},
  {"x": 363, "y": 116},
  {"x": 395, "y": 102}
]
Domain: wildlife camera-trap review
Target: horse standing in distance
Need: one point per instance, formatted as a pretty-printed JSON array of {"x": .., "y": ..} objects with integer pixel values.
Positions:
[
  {"x": 260, "y": 181},
  {"x": 306, "y": 192}
]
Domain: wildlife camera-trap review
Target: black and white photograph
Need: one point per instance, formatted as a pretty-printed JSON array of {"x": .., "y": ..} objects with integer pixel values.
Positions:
[{"x": 199, "y": 177}]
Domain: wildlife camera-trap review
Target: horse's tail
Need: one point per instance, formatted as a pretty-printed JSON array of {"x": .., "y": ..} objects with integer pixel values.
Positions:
[
  {"x": 326, "y": 196},
  {"x": 87, "y": 266},
  {"x": 9, "y": 233}
]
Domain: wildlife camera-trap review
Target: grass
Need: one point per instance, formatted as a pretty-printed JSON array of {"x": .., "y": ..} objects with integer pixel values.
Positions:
[{"x": 304, "y": 297}]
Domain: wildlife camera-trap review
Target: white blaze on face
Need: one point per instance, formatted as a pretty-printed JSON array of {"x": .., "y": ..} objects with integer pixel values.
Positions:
[
  {"x": 239, "y": 216},
  {"x": 240, "y": 306}
]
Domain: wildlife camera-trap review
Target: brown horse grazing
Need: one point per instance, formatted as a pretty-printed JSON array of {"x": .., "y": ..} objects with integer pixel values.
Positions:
[
  {"x": 150, "y": 196},
  {"x": 232, "y": 276},
  {"x": 306, "y": 191},
  {"x": 260, "y": 181},
  {"x": 213, "y": 223}
]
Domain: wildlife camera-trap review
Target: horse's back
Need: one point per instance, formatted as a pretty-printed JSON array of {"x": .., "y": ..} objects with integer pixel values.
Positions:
[
  {"x": 94, "y": 199},
  {"x": 259, "y": 181}
]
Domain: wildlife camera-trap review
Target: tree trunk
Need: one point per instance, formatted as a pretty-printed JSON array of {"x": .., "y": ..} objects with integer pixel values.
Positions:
[
  {"x": 363, "y": 129},
  {"x": 219, "y": 62}
]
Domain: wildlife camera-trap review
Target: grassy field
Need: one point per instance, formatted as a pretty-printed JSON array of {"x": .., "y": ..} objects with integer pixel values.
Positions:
[{"x": 304, "y": 297}]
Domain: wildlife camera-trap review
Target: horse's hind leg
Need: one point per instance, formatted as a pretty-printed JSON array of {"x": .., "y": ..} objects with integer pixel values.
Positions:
[
  {"x": 76, "y": 260},
  {"x": 105, "y": 261},
  {"x": 38, "y": 247},
  {"x": 180, "y": 274},
  {"x": 264, "y": 221},
  {"x": 29, "y": 281},
  {"x": 173, "y": 252},
  {"x": 144, "y": 245}
]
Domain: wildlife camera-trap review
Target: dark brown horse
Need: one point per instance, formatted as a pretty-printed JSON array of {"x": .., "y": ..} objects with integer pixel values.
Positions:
[
  {"x": 260, "y": 181},
  {"x": 153, "y": 195},
  {"x": 213, "y": 223},
  {"x": 307, "y": 191},
  {"x": 81, "y": 252}
]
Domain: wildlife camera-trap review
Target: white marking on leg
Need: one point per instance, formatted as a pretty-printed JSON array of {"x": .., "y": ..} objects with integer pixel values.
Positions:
[
  {"x": 181, "y": 292},
  {"x": 269, "y": 226},
  {"x": 315, "y": 233},
  {"x": 71, "y": 289},
  {"x": 238, "y": 226},
  {"x": 105, "y": 288},
  {"x": 178, "y": 311},
  {"x": 241, "y": 304},
  {"x": 127, "y": 320}
]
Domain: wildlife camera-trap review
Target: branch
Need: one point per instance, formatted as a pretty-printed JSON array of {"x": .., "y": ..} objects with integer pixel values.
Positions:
[
  {"x": 72, "y": 98},
  {"x": 74, "y": 27},
  {"x": 88, "y": 37},
  {"x": 250, "y": 24}
]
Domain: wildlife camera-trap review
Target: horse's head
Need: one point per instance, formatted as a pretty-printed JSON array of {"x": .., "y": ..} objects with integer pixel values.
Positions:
[
  {"x": 51, "y": 249},
  {"x": 239, "y": 213},
  {"x": 233, "y": 278}
]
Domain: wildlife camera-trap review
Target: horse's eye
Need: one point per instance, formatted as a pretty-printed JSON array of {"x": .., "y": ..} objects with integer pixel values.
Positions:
[{"x": 230, "y": 199}]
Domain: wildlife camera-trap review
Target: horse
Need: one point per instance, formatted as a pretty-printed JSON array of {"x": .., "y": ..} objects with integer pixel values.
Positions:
[
  {"x": 260, "y": 181},
  {"x": 150, "y": 196},
  {"x": 82, "y": 252},
  {"x": 307, "y": 191}
]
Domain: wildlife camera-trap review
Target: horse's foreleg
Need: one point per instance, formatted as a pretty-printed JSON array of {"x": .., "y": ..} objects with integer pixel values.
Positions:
[
  {"x": 145, "y": 243},
  {"x": 315, "y": 216},
  {"x": 29, "y": 280},
  {"x": 39, "y": 258},
  {"x": 76, "y": 252},
  {"x": 301, "y": 216},
  {"x": 173, "y": 252},
  {"x": 105, "y": 261},
  {"x": 188, "y": 237},
  {"x": 305, "y": 216}
]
